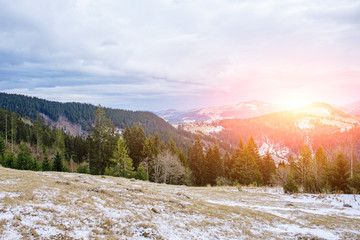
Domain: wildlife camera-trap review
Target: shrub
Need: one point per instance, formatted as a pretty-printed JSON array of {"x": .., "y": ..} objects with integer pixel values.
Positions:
[
  {"x": 141, "y": 173},
  {"x": 83, "y": 169},
  {"x": 290, "y": 186}
]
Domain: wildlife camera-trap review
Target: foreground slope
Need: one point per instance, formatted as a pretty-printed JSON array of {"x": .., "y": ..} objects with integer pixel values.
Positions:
[{"x": 56, "y": 205}]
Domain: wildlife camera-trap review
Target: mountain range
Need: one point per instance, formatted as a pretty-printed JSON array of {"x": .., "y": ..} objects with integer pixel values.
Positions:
[
  {"x": 283, "y": 133},
  {"x": 241, "y": 110},
  {"x": 274, "y": 128}
]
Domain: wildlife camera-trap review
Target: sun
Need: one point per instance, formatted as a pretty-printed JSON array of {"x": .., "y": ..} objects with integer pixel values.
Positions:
[{"x": 297, "y": 103}]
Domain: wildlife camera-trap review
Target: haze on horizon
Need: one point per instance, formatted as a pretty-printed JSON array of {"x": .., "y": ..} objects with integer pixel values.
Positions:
[{"x": 154, "y": 55}]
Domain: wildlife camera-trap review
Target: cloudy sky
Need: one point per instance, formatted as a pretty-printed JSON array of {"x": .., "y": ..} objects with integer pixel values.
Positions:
[{"x": 160, "y": 54}]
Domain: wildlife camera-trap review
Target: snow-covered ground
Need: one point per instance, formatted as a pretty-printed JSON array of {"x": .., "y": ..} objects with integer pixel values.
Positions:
[{"x": 51, "y": 205}]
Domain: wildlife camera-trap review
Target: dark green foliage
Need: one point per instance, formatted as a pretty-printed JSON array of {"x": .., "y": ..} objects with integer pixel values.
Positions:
[
  {"x": 246, "y": 165},
  {"x": 121, "y": 164},
  {"x": 101, "y": 143},
  {"x": 36, "y": 164},
  {"x": 141, "y": 173},
  {"x": 2, "y": 146},
  {"x": 339, "y": 175},
  {"x": 10, "y": 160},
  {"x": 46, "y": 164},
  {"x": 290, "y": 186},
  {"x": 268, "y": 168},
  {"x": 213, "y": 165},
  {"x": 24, "y": 160},
  {"x": 196, "y": 162},
  {"x": 58, "y": 163},
  {"x": 83, "y": 114},
  {"x": 135, "y": 140},
  {"x": 83, "y": 169}
]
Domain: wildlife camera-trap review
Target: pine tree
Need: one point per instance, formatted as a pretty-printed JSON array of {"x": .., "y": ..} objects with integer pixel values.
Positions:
[
  {"x": 196, "y": 162},
  {"x": 23, "y": 160},
  {"x": 101, "y": 143},
  {"x": 135, "y": 140},
  {"x": 304, "y": 163},
  {"x": 123, "y": 166},
  {"x": 268, "y": 169},
  {"x": 58, "y": 163},
  {"x": 339, "y": 177},
  {"x": 213, "y": 164},
  {"x": 38, "y": 130},
  {"x": 141, "y": 173},
  {"x": 320, "y": 170},
  {"x": 46, "y": 164},
  {"x": 2, "y": 147},
  {"x": 10, "y": 160}
]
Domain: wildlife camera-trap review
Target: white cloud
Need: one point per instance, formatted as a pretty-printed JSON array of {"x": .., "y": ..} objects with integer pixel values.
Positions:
[{"x": 173, "y": 49}]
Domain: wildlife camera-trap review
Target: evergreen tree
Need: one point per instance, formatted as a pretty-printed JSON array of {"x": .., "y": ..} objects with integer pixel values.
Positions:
[
  {"x": 196, "y": 162},
  {"x": 38, "y": 130},
  {"x": 10, "y": 160},
  {"x": 245, "y": 170},
  {"x": 58, "y": 163},
  {"x": 172, "y": 146},
  {"x": 268, "y": 169},
  {"x": 36, "y": 165},
  {"x": 304, "y": 163},
  {"x": 321, "y": 169},
  {"x": 2, "y": 147},
  {"x": 23, "y": 160},
  {"x": 122, "y": 163},
  {"x": 46, "y": 164},
  {"x": 227, "y": 165},
  {"x": 214, "y": 164},
  {"x": 135, "y": 140},
  {"x": 59, "y": 143},
  {"x": 101, "y": 143},
  {"x": 141, "y": 173},
  {"x": 339, "y": 177}
]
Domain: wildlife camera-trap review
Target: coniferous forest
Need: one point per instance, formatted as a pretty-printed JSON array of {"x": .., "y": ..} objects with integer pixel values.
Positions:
[{"x": 29, "y": 144}]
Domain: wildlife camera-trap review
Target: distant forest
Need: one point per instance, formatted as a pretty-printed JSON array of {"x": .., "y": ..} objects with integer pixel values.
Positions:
[{"x": 83, "y": 114}]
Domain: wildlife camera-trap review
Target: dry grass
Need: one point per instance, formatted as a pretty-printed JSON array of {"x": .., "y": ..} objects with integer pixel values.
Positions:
[{"x": 54, "y": 205}]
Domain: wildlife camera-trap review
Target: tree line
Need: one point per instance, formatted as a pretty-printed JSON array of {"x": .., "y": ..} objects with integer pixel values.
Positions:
[{"x": 31, "y": 145}]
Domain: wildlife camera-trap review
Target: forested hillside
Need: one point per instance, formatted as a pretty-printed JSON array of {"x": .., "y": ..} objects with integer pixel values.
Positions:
[{"x": 83, "y": 114}]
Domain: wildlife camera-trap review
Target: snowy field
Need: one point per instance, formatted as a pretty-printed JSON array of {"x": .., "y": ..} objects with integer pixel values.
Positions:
[{"x": 52, "y": 205}]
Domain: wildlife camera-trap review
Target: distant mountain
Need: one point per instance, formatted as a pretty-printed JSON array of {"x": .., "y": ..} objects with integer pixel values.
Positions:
[
  {"x": 211, "y": 114},
  {"x": 283, "y": 133},
  {"x": 352, "y": 108},
  {"x": 77, "y": 118}
]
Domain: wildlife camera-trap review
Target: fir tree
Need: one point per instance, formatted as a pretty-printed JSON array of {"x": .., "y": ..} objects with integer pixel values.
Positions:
[
  {"x": 123, "y": 163},
  {"x": 141, "y": 173},
  {"x": 196, "y": 162},
  {"x": 23, "y": 160},
  {"x": 58, "y": 163},
  {"x": 268, "y": 169},
  {"x": 46, "y": 164},
  {"x": 101, "y": 143},
  {"x": 339, "y": 177}
]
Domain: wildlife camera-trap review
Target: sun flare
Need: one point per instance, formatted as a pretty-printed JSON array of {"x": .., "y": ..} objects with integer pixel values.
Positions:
[{"x": 297, "y": 103}]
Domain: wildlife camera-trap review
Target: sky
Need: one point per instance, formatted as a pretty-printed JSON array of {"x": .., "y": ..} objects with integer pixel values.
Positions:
[{"x": 181, "y": 54}]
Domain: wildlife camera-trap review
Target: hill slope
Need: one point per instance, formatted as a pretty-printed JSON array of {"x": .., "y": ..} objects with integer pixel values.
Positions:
[
  {"x": 80, "y": 116},
  {"x": 66, "y": 205}
]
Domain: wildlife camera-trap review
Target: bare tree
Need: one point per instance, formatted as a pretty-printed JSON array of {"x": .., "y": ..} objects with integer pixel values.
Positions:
[{"x": 167, "y": 168}]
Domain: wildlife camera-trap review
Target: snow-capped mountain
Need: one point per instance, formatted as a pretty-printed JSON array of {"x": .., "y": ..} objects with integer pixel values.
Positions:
[
  {"x": 283, "y": 133},
  {"x": 211, "y": 114}
]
